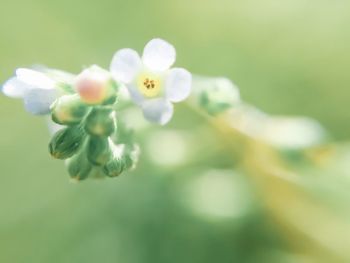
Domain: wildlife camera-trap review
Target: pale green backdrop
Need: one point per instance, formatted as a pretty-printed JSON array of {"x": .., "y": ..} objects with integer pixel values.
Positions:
[{"x": 289, "y": 57}]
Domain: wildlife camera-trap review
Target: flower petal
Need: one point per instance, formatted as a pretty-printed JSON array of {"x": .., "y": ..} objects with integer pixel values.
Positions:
[
  {"x": 178, "y": 84},
  {"x": 38, "y": 101},
  {"x": 35, "y": 78},
  {"x": 135, "y": 95},
  {"x": 157, "y": 110},
  {"x": 57, "y": 75},
  {"x": 126, "y": 63},
  {"x": 158, "y": 55},
  {"x": 15, "y": 88}
]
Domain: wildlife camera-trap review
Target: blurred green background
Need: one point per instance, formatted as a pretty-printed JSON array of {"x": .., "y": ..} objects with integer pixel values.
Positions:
[{"x": 288, "y": 57}]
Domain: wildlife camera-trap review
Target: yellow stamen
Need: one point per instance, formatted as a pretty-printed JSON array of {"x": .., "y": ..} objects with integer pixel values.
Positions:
[{"x": 150, "y": 85}]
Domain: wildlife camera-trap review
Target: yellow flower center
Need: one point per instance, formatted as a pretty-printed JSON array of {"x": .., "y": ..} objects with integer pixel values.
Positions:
[{"x": 150, "y": 85}]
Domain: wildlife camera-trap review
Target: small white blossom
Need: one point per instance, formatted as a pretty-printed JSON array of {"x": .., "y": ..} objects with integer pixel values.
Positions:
[
  {"x": 150, "y": 81},
  {"x": 35, "y": 88}
]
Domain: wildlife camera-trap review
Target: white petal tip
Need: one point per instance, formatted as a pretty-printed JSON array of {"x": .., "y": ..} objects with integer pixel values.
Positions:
[
  {"x": 35, "y": 78},
  {"x": 14, "y": 88},
  {"x": 158, "y": 55},
  {"x": 125, "y": 64},
  {"x": 178, "y": 84},
  {"x": 158, "y": 111}
]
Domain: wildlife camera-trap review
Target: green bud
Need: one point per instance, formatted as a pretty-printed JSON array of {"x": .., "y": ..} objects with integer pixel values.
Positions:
[
  {"x": 66, "y": 142},
  {"x": 99, "y": 150},
  {"x": 114, "y": 167},
  {"x": 217, "y": 94},
  {"x": 101, "y": 121},
  {"x": 78, "y": 166},
  {"x": 68, "y": 110},
  {"x": 123, "y": 159}
]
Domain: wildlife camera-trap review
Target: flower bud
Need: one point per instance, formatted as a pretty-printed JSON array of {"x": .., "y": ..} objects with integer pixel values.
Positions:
[
  {"x": 119, "y": 163},
  {"x": 78, "y": 166},
  {"x": 68, "y": 110},
  {"x": 94, "y": 86},
  {"x": 99, "y": 150},
  {"x": 114, "y": 167},
  {"x": 101, "y": 121},
  {"x": 217, "y": 94},
  {"x": 66, "y": 142}
]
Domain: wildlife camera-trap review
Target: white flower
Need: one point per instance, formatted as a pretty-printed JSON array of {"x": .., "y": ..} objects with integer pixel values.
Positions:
[
  {"x": 150, "y": 81},
  {"x": 37, "y": 90}
]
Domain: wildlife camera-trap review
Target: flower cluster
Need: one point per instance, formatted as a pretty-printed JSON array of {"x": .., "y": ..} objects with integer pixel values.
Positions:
[
  {"x": 89, "y": 139},
  {"x": 93, "y": 135},
  {"x": 92, "y": 138}
]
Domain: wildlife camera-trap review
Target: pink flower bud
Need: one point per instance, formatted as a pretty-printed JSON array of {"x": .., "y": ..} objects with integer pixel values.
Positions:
[{"x": 92, "y": 85}]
